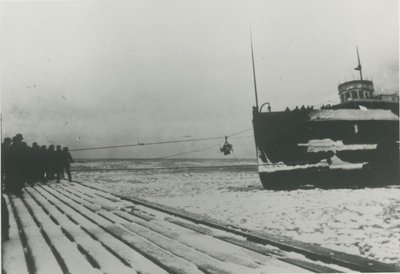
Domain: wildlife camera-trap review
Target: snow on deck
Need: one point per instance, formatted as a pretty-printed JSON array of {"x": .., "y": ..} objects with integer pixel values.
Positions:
[
  {"x": 352, "y": 115},
  {"x": 72, "y": 228}
]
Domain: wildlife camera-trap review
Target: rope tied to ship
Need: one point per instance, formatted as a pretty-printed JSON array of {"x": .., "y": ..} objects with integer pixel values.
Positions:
[{"x": 162, "y": 142}]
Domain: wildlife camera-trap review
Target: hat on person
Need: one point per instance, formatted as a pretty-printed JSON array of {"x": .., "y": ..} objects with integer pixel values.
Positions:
[{"x": 19, "y": 136}]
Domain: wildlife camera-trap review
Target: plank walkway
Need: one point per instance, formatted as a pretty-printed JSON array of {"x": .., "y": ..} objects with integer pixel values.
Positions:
[{"x": 75, "y": 228}]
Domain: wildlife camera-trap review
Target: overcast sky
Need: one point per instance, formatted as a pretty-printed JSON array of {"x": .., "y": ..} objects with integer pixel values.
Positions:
[{"x": 88, "y": 73}]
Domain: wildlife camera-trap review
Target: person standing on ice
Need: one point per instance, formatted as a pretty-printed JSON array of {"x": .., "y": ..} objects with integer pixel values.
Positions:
[
  {"x": 42, "y": 163},
  {"x": 5, "y": 220},
  {"x": 59, "y": 162},
  {"x": 50, "y": 163},
  {"x": 34, "y": 162},
  {"x": 16, "y": 165},
  {"x": 5, "y": 148},
  {"x": 66, "y": 162}
]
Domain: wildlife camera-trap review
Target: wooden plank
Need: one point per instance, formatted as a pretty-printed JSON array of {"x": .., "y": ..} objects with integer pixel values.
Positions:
[
  {"x": 313, "y": 252},
  {"x": 169, "y": 261},
  {"x": 203, "y": 243},
  {"x": 202, "y": 261},
  {"x": 96, "y": 200},
  {"x": 217, "y": 248},
  {"x": 132, "y": 208},
  {"x": 13, "y": 256},
  {"x": 316, "y": 268},
  {"x": 267, "y": 250},
  {"x": 324, "y": 254},
  {"x": 77, "y": 198},
  {"x": 43, "y": 258},
  {"x": 162, "y": 257},
  {"x": 98, "y": 192},
  {"x": 194, "y": 227},
  {"x": 172, "y": 242},
  {"x": 102, "y": 256},
  {"x": 123, "y": 251},
  {"x": 73, "y": 259},
  {"x": 223, "y": 251},
  {"x": 73, "y": 185},
  {"x": 205, "y": 230},
  {"x": 136, "y": 213}
]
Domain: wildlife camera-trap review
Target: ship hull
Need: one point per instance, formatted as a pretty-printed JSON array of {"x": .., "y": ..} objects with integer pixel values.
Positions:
[
  {"x": 330, "y": 178},
  {"x": 327, "y": 148}
]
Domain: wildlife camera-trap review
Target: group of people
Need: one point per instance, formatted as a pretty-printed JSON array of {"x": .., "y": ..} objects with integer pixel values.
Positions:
[
  {"x": 22, "y": 164},
  {"x": 300, "y": 109}
]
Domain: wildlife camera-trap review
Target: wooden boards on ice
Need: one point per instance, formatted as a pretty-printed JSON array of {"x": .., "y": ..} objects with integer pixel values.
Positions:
[{"x": 75, "y": 228}]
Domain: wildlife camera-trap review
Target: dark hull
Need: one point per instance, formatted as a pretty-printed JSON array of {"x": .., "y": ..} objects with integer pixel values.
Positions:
[
  {"x": 330, "y": 178},
  {"x": 293, "y": 139}
]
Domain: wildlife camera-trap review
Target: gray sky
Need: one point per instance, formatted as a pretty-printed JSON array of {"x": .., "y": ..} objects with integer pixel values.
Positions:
[{"x": 88, "y": 73}]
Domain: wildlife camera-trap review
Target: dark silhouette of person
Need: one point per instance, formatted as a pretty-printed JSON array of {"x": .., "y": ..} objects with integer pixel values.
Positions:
[
  {"x": 66, "y": 163},
  {"x": 5, "y": 154},
  {"x": 42, "y": 161},
  {"x": 34, "y": 163},
  {"x": 5, "y": 220},
  {"x": 227, "y": 147},
  {"x": 16, "y": 165},
  {"x": 27, "y": 164},
  {"x": 50, "y": 163},
  {"x": 59, "y": 160}
]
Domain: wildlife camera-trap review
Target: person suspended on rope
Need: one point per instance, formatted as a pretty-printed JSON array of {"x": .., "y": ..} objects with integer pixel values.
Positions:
[{"x": 227, "y": 148}]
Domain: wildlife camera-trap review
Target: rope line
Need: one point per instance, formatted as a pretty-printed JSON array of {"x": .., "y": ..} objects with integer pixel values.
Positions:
[
  {"x": 242, "y": 131},
  {"x": 187, "y": 152},
  {"x": 160, "y": 143}
]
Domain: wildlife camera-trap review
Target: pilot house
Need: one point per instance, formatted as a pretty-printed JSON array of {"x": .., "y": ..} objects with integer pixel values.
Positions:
[{"x": 356, "y": 89}]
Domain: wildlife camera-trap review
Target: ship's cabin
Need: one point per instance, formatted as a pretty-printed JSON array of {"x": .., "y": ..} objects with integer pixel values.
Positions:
[
  {"x": 356, "y": 90},
  {"x": 356, "y": 93}
]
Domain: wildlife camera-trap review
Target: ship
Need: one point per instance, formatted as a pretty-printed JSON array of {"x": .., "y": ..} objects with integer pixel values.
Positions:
[{"x": 354, "y": 143}]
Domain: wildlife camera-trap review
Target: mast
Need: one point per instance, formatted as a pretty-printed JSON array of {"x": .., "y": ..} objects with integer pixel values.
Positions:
[
  {"x": 359, "y": 65},
  {"x": 254, "y": 70}
]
